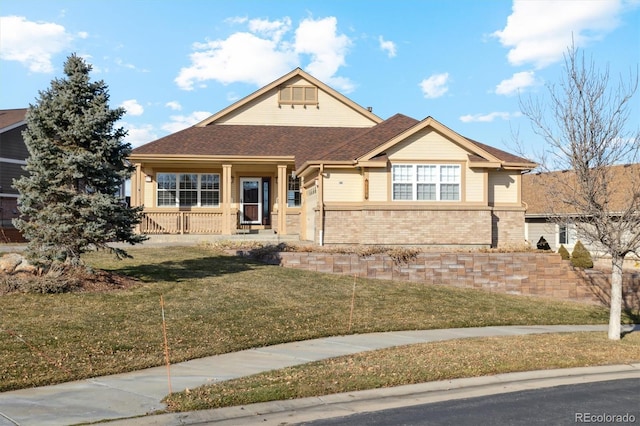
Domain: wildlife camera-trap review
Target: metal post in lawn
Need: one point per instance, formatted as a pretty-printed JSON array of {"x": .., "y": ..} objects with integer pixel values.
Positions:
[
  {"x": 166, "y": 344},
  {"x": 353, "y": 300}
]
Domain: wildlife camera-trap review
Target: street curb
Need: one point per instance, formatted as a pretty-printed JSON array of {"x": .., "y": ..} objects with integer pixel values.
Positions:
[{"x": 349, "y": 403}]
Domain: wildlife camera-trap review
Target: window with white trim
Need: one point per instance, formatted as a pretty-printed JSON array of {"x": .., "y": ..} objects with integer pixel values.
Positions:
[
  {"x": 425, "y": 182},
  {"x": 293, "y": 192},
  {"x": 565, "y": 234},
  {"x": 188, "y": 190}
]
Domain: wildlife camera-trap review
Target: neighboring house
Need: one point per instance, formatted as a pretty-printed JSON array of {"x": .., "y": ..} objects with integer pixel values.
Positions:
[
  {"x": 297, "y": 157},
  {"x": 13, "y": 154},
  {"x": 556, "y": 222}
]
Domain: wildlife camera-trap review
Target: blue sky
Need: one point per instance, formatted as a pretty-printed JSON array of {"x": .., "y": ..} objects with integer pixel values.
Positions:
[{"x": 173, "y": 63}]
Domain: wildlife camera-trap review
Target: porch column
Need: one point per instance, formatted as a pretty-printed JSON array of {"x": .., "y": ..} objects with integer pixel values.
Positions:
[
  {"x": 282, "y": 199},
  {"x": 228, "y": 222}
]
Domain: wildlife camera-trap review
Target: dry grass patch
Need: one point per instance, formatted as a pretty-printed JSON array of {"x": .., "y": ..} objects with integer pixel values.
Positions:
[
  {"x": 414, "y": 364},
  {"x": 217, "y": 304}
]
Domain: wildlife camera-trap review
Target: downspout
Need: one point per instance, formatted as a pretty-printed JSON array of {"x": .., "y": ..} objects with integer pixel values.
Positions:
[{"x": 321, "y": 200}]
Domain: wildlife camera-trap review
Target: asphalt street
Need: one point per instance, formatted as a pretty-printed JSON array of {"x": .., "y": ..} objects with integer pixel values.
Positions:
[{"x": 609, "y": 402}]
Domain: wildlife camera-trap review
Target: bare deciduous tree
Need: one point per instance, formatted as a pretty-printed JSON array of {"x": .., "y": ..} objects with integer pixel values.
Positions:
[{"x": 587, "y": 127}]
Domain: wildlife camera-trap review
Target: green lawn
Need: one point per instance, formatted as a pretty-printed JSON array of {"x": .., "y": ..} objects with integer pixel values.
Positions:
[{"x": 216, "y": 304}]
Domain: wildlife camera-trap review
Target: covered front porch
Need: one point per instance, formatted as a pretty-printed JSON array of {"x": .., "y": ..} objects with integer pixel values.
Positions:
[{"x": 214, "y": 197}]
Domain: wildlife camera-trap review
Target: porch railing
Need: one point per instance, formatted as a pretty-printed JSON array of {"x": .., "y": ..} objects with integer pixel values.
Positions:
[{"x": 181, "y": 223}]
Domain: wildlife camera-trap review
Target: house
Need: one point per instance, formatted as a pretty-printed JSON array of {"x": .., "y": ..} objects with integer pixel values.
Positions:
[
  {"x": 298, "y": 158},
  {"x": 13, "y": 154},
  {"x": 556, "y": 221}
]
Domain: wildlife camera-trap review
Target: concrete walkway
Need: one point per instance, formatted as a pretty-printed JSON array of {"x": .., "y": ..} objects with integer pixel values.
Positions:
[{"x": 124, "y": 396}]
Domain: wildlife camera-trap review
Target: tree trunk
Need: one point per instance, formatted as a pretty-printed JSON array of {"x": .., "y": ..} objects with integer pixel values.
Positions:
[{"x": 616, "y": 297}]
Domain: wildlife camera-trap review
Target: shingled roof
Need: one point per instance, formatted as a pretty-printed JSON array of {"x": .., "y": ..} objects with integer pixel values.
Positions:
[
  {"x": 540, "y": 191},
  {"x": 9, "y": 117},
  {"x": 304, "y": 144},
  {"x": 301, "y": 143}
]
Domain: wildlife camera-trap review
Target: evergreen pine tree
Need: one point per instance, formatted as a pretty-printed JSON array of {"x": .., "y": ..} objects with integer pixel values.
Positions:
[{"x": 69, "y": 200}]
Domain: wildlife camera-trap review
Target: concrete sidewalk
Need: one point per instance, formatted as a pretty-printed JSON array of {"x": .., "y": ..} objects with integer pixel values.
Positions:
[{"x": 124, "y": 396}]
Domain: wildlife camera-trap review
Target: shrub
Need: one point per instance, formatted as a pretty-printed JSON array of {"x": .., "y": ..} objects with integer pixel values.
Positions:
[
  {"x": 580, "y": 257},
  {"x": 564, "y": 253}
]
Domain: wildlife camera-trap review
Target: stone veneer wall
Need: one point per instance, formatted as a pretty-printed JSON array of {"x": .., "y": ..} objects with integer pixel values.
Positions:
[
  {"x": 535, "y": 274},
  {"x": 293, "y": 223},
  {"x": 507, "y": 228},
  {"x": 413, "y": 227}
]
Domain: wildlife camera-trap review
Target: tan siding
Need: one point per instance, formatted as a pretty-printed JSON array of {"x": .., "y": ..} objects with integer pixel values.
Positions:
[
  {"x": 427, "y": 145},
  {"x": 343, "y": 185},
  {"x": 149, "y": 193},
  {"x": 378, "y": 190},
  {"x": 328, "y": 113},
  {"x": 541, "y": 228},
  {"x": 474, "y": 186},
  {"x": 503, "y": 187}
]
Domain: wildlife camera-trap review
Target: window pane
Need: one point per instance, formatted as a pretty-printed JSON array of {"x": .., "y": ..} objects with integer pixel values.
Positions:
[
  {"x": 402, "y": 173},
  {"x": 293, "y": 192},
  {"x": 449, "y": 174},
  {"x": 426, "y": 191},
  {"x": 166, "y": 181},
  {"x": 166, "y": 194},
  {"x": 209, "y": 198},
  {"x": 189, "y": 181},
  {"x": 426, "y": 174},
  {"x": 563, "y": 235},
  {"x": 449, "y": 192},
  {"x": 209, "y": 190},
  {"x": 188, "y": 198},
  {"x": 166, "y": 198},
  {"x": 402, "y": 191}
]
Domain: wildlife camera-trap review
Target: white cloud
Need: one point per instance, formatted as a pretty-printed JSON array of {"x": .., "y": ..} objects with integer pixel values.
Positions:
[
  {"x": 487, "y": 118},
  {"x": 387, "y": 46},
  {"x": 435, "y": 86},
  {"x": 267, "y": 50},
  {"x": 174, "y": 105},
  {"x": 32, "y": 43},
  {"x": 518, "y": 81},
  {"x": 180, "y": 122},
  {"x": 319, "y": 39},
  {"x": 539, "y": 32},
  {"x": 139, "y": 135},
  {"x": 273, "y": 30},
  {"x": 133, "y": 107},
  {"x": 243, "y": 57}
]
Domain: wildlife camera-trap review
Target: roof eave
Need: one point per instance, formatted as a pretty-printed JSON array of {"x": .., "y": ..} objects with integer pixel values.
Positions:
[{"x": 191, "y": 159}]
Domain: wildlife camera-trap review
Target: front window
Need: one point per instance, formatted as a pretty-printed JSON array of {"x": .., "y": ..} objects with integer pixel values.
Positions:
[
  {"x": 425, "y": 182},
  {"x": 564, "y": 237},
  {"x": 293, "y": 192},
  {"x": 188, "y": 190}
]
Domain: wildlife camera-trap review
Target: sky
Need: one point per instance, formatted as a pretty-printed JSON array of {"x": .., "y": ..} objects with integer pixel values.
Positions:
[{"x": 171, "y": 64}]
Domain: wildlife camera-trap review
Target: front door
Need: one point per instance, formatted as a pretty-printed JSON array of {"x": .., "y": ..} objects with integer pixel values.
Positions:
[{"x": 251, "y": 200}]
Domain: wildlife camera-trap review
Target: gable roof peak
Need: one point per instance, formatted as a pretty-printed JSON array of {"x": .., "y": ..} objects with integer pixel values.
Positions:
[{"x": 297, "y": 72}]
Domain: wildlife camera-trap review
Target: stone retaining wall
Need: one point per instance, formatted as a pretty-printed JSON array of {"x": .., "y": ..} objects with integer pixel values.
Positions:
[{"x": 535, "y": 274}]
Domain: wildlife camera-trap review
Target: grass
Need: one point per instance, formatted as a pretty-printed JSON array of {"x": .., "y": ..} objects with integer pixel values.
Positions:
[
  {"x": 413, "y": 364},
  {"x": 216, "y": 304}
]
